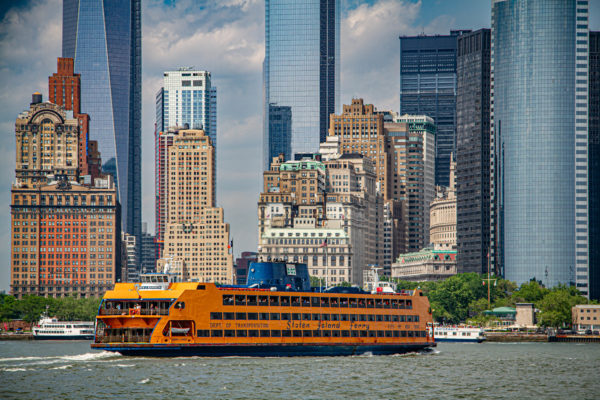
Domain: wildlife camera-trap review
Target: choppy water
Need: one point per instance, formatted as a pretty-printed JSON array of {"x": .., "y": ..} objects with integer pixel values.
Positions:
[{"x": 71, "y": 370}]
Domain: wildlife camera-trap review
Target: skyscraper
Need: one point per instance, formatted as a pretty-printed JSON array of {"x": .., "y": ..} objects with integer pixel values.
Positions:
[
  {"x": 187, "y": 97},
  {"x": 539, "y": 123},
  {"x": 594, "y": 168},
  {"x": 300, "y": 71},
  {"x": 104, "y": 39},
  {"x": 428, "y": 87},
  {"x": 473, "y": 150}
]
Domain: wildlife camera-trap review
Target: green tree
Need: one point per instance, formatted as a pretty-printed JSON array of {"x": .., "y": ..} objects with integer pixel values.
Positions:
[
  {"x": 556, "y": 306},
  {"x": 30, "y": 308},
  {"x": 530, "y": 292},
  {"x": 8, "y": 308},
  {"x": 317, "y": 282}
]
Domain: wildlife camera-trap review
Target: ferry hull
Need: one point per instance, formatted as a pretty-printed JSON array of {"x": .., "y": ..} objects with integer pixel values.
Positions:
[{"x": 267, "y": 350}]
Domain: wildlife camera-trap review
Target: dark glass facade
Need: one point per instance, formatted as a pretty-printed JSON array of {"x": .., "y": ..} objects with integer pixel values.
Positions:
[
  {"x": 473, "y": 150},
  {"x": 104, "y": 38},
  {"x": 300, "y": 72},
  {"x": 280, "y": 127},
  {"x": 428, "y": 87},
  {"x": 594, "y": 160},
  {"x": 540, "y": 138}
]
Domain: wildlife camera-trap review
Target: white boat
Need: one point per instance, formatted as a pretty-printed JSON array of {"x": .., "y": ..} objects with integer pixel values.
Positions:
[
  {"x": 458, "y": 333},
  {"x": 52, "y": 329}
]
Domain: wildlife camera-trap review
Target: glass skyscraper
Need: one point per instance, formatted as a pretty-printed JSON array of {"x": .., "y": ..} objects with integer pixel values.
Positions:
[
  {"x": 539, "y": 122},
  {"x": 428, "y": 87},
  {"x": 300, "y": 74},
  {"x": 594, "y": 168},
  {"x": 104, "y": 39}
]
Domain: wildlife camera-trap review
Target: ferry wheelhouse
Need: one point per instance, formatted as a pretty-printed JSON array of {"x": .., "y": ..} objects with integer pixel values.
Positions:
[{"x": 275, "y": 314}]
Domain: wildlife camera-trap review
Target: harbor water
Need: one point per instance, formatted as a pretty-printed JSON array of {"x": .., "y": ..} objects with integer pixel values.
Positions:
[{"x": 71, "y": 370}]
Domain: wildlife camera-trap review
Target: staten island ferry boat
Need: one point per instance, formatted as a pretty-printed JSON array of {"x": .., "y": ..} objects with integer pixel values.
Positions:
[{"x": 276, "y": 314}]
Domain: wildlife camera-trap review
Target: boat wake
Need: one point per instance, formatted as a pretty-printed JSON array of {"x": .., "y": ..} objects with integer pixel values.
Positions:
[{"x": 15, "y": 362}]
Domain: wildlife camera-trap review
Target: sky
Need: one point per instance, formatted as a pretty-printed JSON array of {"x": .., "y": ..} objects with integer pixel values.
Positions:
[{"x": 225, "y": 37}]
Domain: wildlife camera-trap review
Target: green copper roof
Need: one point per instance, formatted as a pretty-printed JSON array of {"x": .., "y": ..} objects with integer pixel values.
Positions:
[{"x": 300, "y": 165}]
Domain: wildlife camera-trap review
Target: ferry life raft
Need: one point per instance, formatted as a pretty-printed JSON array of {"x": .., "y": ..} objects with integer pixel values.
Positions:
[{"x": 276, "y": 314}]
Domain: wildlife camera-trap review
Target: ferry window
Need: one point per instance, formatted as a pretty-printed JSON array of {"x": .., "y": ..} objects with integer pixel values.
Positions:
[
  {"x": 362, "y": 303},
  {"x": 240, "y": 316},
  {"x": 386, "y": 303},
  {"x": 379, "y": 318},
  {"x": 394, "y": 303},
  {"x": 296, "y": 316},
  {"x": 285, "y": 301},
  {"x": 386, "y": 318},
  {"x": 326, "y": 333},
  {"x": 380, "y": 333},
  {"x": 275, "y": 333},
  {"x": 252, "y": 333},
  {"x": 402, "y": 304},
  {"x": 324, "y": 317},
  {"x": 395, "y": 318},
  {"x": 216, "y": 333},
  {"x": 229, "y": 333},
  {"x": 353, "y": 317},
  {"x": 370, "y": 303},
  {"x": 316, "y": 333},
  {"x": 201, "y": 287},
  {"x": 306, "y": 333},
  {"x": 263, "y": 300},
  {"x": 409, "y": 318},
  {"x": 295, "y": 301},
  {"x": 229, "y": 316},
  {"x": 265, "y": 333},
  {"x": 252, "y": 316},
  {"x": 363, "y": 317},
  {"x": 314, "y": 302},
  {"x": 334, "y": 302},
  {"x": 411, "y": 334},
  {"x": 371, "y": 317},
  {"x": 305, "y": 317},
  {"x": 403, "y": 318},
  {"x": 363, "y": 333},
  {"x": 305, "y": 301},
  {"x": 345, "y": 333},
  {"x": 353, "y": 302},
  {"x": 227, "y": 300},
  {"x": 396, "y": 333},
  {"x": 286, "y": 333},
  {"x": 343, "y": 317},
  {"x": 409, "y": 304},
  {"x": 389, "y": 334},
  {"x": 180, "y": 305},
  {"x": 240, "y": 300},
  {"x": 335, "y": 317},
  {"x": 415, "y": 318},
  {"x": 216, "y": 315},
  {"x": 284, "y": 316},
  {"x": 324, "y": 301},
  {"x": 241, "y": 333},
  {"x": 316, "y": 317},
  {"x": 273, "y": 300},
  {"x": 251, "y": 300},
  {"x": 335, "y": 333},
  {"x": 203, "y": 333},
  {"x": 378, "y": 303},
  {"x": 344, "y": 302},
  {"x": 354, "y": 333},
  {"x": 402, "y": 333},
  {"x": 275, "y": 316},
  {"x": 264, "y": 316}
]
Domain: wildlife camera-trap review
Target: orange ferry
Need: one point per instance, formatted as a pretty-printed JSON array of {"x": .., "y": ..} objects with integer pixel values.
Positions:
[{"x": 275, "y": 314}]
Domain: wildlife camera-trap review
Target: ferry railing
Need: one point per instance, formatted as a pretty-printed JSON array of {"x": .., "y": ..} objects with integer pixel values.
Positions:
[
  {"x": 134, "y": 311},
  {"x": 123, "y": 339}
]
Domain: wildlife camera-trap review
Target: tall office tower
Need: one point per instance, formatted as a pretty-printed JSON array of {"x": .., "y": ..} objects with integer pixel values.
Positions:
[
  {"x": 148, "y": 250},
  {"x": 539, "y": 124},
  {"x": 473, "y": 150},
  {"x": 300, "y": 71},
  {"x": 130, "y": 247},
  {"x": 163, "y": 140},
  {"x": 187, "y": 98},
  {"x": 104, "y": 39},
  {"x": 412, "y": 139},
  {"x": 428, "y": 87},
  {"x": 195, "y": 235},
  {"x": 594, "y": 168},
  {"x": 64, "y": 88}
]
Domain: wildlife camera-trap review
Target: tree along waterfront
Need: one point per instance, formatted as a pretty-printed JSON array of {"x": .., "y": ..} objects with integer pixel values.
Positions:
[{"x": 30, "y": 308}]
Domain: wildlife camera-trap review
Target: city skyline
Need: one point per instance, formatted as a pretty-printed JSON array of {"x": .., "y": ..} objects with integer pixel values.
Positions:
[{"x": 236, "y": 68}]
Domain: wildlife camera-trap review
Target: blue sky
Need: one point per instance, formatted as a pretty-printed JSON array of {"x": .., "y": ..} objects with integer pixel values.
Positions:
[{"x": 227, "y": 38}]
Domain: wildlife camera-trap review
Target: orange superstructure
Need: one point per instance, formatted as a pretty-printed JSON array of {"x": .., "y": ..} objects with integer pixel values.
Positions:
[{"x": 203, "y": 319}]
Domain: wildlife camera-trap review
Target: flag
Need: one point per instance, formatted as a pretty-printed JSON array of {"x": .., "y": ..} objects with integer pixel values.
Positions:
[
  {"x": 324, "y": 244},
  {"x": 230, "y": 245}
]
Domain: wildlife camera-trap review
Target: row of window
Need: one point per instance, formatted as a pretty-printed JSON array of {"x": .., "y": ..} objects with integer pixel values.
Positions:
[
  {"x": 242, "y": 316},
  {"x": 308, "y": 301},
  {"x": 253, "y": 333}
]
